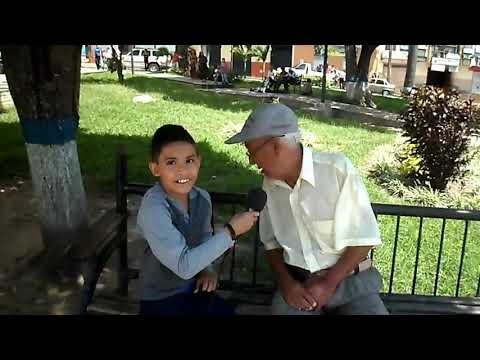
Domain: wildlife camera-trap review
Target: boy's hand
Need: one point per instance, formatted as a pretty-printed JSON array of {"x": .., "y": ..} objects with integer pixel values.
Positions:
[
  {"x": 207, "y": 281},
  {"x": 243, "y": 222}
]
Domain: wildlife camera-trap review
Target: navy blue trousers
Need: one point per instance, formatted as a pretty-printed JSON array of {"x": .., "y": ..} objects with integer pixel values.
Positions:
[{"x": 188, "y": 304}]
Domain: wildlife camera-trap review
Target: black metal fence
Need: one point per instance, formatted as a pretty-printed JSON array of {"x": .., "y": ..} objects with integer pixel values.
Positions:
[{"x": 237, "y": 201}]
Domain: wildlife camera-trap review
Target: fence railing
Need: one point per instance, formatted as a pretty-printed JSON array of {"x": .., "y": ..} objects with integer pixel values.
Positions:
[{"x": 401, "y": 214}]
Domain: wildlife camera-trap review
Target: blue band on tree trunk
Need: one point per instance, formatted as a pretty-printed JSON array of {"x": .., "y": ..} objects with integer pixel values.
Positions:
[{"x": 49, "y": 131}]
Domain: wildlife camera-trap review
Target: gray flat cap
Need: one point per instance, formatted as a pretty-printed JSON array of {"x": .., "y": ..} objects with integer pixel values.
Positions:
[{"x": 267, "y": 120}]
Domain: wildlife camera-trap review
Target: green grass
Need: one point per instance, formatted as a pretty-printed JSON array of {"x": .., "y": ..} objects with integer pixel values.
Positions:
[{"x": 108, "y": 117}]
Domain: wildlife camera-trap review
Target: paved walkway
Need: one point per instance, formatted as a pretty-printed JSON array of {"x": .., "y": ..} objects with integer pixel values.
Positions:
[{"x": 378, "y": 118}]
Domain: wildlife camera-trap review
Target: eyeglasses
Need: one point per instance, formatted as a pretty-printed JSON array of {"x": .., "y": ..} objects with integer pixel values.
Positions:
[{"x": 250, "y": 155}]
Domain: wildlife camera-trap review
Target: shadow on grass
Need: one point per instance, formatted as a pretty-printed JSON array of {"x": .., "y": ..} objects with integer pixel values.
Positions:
[
  {"x": 187, "y": 93},
  {"x": 219, "y": 172},
  {"x": 97, "y": 155}
]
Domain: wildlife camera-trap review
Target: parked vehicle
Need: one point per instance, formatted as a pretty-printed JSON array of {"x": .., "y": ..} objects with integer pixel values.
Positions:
[
  {"x": 306, "y": 69},
  {"x": 155, "y": 63},
  {"x": 334, "y": 76},
  {"x": 381, "y": 86}
]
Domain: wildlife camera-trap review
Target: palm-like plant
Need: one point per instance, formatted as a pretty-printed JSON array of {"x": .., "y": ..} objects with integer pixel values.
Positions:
[
  {"x": 261, "y": 52},
  {"x": 245, "y": 52}
]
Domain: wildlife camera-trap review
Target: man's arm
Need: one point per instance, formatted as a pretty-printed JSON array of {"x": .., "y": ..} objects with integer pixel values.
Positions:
[
  {"x": 277, "y": 264},
  {"x": 349, "y": 260}
]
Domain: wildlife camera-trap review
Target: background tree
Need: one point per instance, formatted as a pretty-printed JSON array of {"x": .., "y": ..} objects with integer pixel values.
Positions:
[
  {"x": 411, "y": 67},
  {"x": 44, "y": 82},
  {"x": 357, "y": 74},
  {"x": 262, "y": 53},
  {"x": 246, "y": 53}
]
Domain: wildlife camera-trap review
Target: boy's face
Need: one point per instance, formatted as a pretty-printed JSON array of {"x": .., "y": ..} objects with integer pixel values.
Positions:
[{"x": 177, "y": 168}]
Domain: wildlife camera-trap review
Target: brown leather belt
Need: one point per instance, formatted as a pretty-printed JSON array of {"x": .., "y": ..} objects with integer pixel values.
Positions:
[{"x": 302, "y": 275}]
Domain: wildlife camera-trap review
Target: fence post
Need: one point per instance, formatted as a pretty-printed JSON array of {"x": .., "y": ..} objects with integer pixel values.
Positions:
[{"x": 121, "y": 206}]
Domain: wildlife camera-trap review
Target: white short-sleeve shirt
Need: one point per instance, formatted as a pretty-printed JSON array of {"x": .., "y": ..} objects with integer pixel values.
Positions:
[{"x": 327, "y": 210}]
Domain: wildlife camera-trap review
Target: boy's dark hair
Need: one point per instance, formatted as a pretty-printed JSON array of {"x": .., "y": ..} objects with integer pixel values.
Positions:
[{"x": 168, "y": 134}]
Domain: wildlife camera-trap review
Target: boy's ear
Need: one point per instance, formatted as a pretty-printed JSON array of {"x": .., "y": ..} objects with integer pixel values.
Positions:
[{"x": 153, "y": 166}]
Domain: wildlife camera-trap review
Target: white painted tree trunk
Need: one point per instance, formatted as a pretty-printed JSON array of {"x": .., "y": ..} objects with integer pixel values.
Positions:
[
  {"x": 355, "y": 90},
  {"x": 57, "y": 184},
  {"x": 358, "y": 93}
]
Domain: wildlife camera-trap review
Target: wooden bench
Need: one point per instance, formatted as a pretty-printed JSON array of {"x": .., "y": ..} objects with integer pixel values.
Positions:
[{"x": 253, "y": 294}]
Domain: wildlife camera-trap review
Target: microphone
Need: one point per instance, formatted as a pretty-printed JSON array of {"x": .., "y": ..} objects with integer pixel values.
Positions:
[{"x": 256, "y": 199}]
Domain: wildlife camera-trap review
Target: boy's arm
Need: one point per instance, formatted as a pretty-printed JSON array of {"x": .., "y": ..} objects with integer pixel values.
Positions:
[
  {"x": 169, "y": 246},
  {"x": 207, "y": 231}
]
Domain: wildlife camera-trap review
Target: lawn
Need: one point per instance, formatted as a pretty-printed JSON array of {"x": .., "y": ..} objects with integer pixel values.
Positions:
[
  {"x": 390, "y": 104},
  {"x": 109, "y": 117}
]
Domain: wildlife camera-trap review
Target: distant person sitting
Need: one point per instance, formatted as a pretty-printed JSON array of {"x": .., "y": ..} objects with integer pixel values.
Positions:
[
  {"x": 281, "y": 79},
  {"x": 224, "y": 73},
  {"x": 307, "y": 88}
]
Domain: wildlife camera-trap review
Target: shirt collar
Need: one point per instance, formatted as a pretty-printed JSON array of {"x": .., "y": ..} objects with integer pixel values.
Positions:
[{"x": 307, "y": 172}]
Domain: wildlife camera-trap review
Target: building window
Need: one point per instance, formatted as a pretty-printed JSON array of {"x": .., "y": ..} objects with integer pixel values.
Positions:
[
  {"x": 387, "y": 47},
  {"x": 403, "y": 47},
  {"x": 421, "y": 55}
]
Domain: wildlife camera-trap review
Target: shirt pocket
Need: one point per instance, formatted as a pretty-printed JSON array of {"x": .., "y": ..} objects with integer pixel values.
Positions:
[{"x": 322, "y": 232}]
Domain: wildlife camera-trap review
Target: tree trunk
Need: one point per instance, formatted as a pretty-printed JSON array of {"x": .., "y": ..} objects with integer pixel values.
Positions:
[
  {"x": 411, "y": 66},
  {"x": 356, "y": 85},
  {"x": 350, "y": 62},
  {"x": 389, "y": 73},
  {"x": 324, "y": 77},
  {"x": 118, "y": 63},
  {"x": 45, "y": 85},
  {"x": 120, "y": 68}
]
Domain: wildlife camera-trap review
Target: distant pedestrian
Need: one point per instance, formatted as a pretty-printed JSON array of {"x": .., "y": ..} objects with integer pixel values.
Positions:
[
  {"x": 145, "y": 54},
  {"x": 98, "y": 56}
]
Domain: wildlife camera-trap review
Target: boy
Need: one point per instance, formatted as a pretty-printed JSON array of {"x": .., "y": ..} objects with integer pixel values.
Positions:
[{"x": 174, "y": 218}]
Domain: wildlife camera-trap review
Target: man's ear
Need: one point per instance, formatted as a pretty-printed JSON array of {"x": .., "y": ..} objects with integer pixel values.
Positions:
[
  {"x": 153, "y": 166},
  {"x": 277, "y": 147}
]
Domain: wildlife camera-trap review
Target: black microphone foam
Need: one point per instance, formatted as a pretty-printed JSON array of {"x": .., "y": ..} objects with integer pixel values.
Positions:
[{"x": 256, "y": 199}]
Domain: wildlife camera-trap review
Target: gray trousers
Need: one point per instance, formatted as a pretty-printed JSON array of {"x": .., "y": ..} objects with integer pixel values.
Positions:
[{"x": 356, "y": 295}]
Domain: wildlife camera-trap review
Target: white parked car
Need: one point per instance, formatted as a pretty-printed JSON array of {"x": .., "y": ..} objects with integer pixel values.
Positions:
[
  {"x": 381, "y": 86},
  {"x": 155, "y": 63}
]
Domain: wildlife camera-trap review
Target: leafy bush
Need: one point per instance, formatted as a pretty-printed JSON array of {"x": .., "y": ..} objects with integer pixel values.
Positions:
[
  {"x": 385, "y": 168},
  {"x": 409, "y": 162},
  {"x": 439, "y": 125}
]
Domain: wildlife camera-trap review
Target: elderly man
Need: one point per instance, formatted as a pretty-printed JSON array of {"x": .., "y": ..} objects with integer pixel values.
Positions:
[{"x": 318, "y": 225}]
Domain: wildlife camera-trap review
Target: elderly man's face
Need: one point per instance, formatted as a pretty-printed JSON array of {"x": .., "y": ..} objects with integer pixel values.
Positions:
[{"x": 261, "y": 152}]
